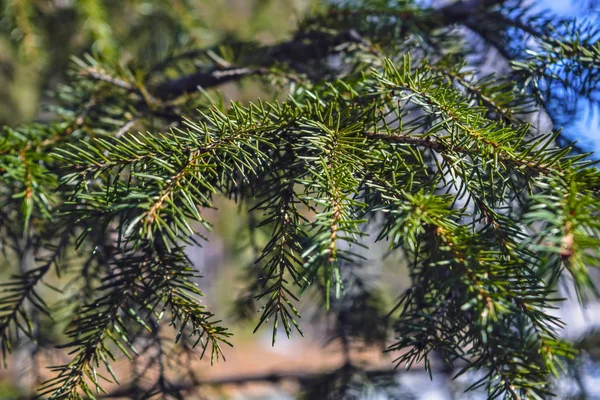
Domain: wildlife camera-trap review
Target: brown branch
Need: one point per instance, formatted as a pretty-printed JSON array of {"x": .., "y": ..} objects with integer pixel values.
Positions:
[
  {"x": 191, "y": 83},
  {"x": 98, "y": 75},
  {"x": 459, "y": 79},
  {"x": 442, "y": 147},
  {"x": 307, "y": 46},
  {"x": 269, "y": 378},
  {"x": 310, "y": 46},
  {"x": 170, "y": 189}
]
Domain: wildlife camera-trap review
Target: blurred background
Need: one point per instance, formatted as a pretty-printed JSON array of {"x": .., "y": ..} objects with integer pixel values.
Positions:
[{"x": 37, "y": 40}]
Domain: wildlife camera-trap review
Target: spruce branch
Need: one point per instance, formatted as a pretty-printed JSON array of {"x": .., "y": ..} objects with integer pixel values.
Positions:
[
  {"x": 281, "y": 258},
  {"x": 425, "y": 149}
]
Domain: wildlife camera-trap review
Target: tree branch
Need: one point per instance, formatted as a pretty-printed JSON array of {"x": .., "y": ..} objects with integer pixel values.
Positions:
[
  {"x": 190, "y": 83},
  {"x": 310, "y": 46},
  {"x": 461, "y": 10},
  {"x": 271, "y": 378},
  {"x": 440, "y": 146}
]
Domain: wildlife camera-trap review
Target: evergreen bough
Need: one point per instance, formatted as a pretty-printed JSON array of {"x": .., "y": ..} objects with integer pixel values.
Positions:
[{"x": 388, "y": 130}]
